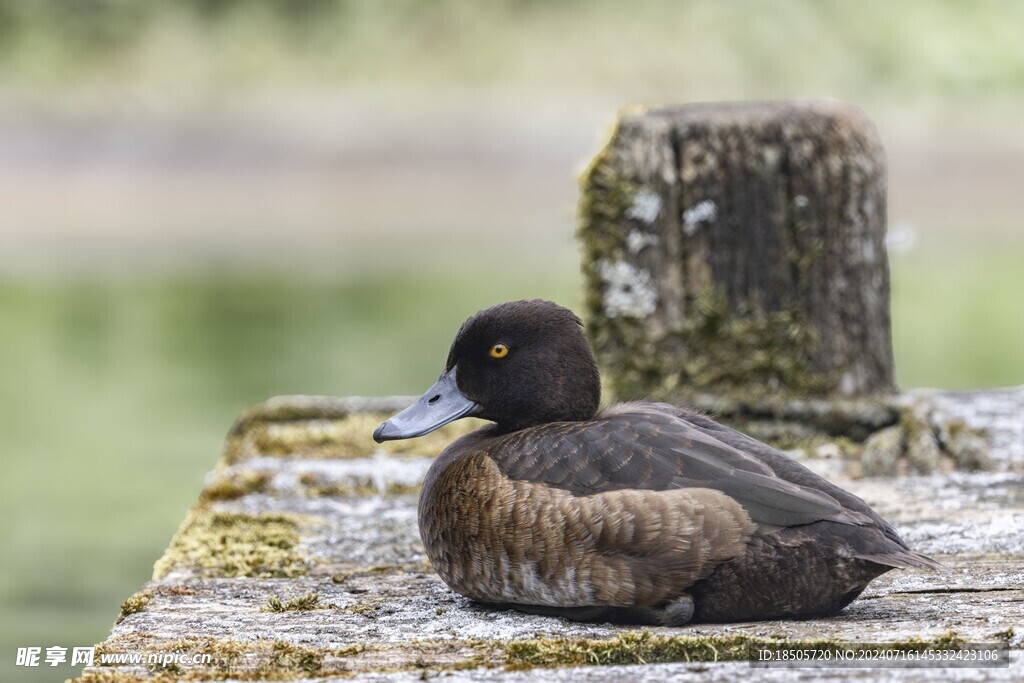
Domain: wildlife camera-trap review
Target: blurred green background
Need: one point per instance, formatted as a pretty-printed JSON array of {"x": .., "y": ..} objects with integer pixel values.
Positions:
[{"x": 204, "y": 203}]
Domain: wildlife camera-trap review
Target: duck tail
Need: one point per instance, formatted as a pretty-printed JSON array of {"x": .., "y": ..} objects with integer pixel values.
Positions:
[{"x": 904, "y": 559}]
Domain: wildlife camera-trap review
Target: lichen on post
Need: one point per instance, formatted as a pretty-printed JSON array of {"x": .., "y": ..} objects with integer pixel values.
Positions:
[{"x": 739, "y": 249}]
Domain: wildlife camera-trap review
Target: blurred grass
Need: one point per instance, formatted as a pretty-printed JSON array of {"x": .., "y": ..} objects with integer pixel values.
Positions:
[
  {"x": 956, "y": 314},
  {"x": 664, "y": 47}
]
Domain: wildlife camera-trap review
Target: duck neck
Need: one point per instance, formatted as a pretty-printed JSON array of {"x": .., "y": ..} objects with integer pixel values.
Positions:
[{"x": 561, "y": 401}]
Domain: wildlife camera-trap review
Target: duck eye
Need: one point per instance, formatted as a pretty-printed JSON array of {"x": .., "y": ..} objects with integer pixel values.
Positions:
[{"x": 498, "y": 351}]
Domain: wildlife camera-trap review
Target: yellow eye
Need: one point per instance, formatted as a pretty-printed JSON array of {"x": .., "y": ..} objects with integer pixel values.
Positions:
[{"x": 498, "y": 351}]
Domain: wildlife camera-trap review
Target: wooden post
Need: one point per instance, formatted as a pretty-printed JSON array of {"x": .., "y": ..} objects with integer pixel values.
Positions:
[{"x": 739, "y": 249}]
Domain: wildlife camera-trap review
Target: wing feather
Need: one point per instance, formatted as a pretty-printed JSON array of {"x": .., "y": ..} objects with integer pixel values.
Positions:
[{"x": 640, "y": 446}]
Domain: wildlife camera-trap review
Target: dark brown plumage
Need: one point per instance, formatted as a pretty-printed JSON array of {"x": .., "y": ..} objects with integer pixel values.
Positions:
[{"x": 645, "y": 512}]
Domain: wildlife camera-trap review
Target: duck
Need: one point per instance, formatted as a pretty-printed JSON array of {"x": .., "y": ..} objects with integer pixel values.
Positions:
[{"x": 640, "y": 513}]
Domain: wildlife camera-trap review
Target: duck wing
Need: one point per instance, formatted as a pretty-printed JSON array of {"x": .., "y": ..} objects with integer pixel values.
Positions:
[
  {"x": 886, "y": 549},
  {"x": 641, "y": 447},
  {"x": 780, "y": 464}
]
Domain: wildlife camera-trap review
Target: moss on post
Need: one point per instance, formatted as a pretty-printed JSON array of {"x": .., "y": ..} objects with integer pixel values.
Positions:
[{"x": 739, "y": 249}]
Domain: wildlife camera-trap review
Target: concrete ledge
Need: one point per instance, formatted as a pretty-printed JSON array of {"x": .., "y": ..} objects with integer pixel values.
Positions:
[{"x": 301, "y": 560}]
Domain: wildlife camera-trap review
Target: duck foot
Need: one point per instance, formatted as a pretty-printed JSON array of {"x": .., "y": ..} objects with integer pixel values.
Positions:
[{"x": 676, "y": 613}]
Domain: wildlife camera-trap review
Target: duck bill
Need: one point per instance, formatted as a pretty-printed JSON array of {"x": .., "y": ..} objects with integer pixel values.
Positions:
[{"x": 441, "y": 404}]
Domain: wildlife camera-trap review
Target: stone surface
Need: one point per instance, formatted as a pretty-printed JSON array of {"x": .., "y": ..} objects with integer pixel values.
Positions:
[
  {"x": 882, "y": 452},
  {"x": 921, "y": 442},
  {"x": 302, "y": 561}
]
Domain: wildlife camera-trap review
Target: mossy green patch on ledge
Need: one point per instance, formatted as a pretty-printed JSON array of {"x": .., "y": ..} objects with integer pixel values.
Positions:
[
  {"x": 282, "y": 660},
  {"x": 346, "y": 437},
  {"x": 136, "y": 603},
  {"x": 266, "y": 660},
  {"x": 227, "y": 544},
  {"x": 643, "y": 647},
  {"x": 231, "y": 483},
  {"x": 299, "y": 603},
  {"x": 637, "y": 647},
  {"x": 235, "y": 486}
]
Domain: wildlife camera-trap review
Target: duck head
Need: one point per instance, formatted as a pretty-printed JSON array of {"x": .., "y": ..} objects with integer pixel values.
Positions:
[{"x": 517, "y": 364}]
